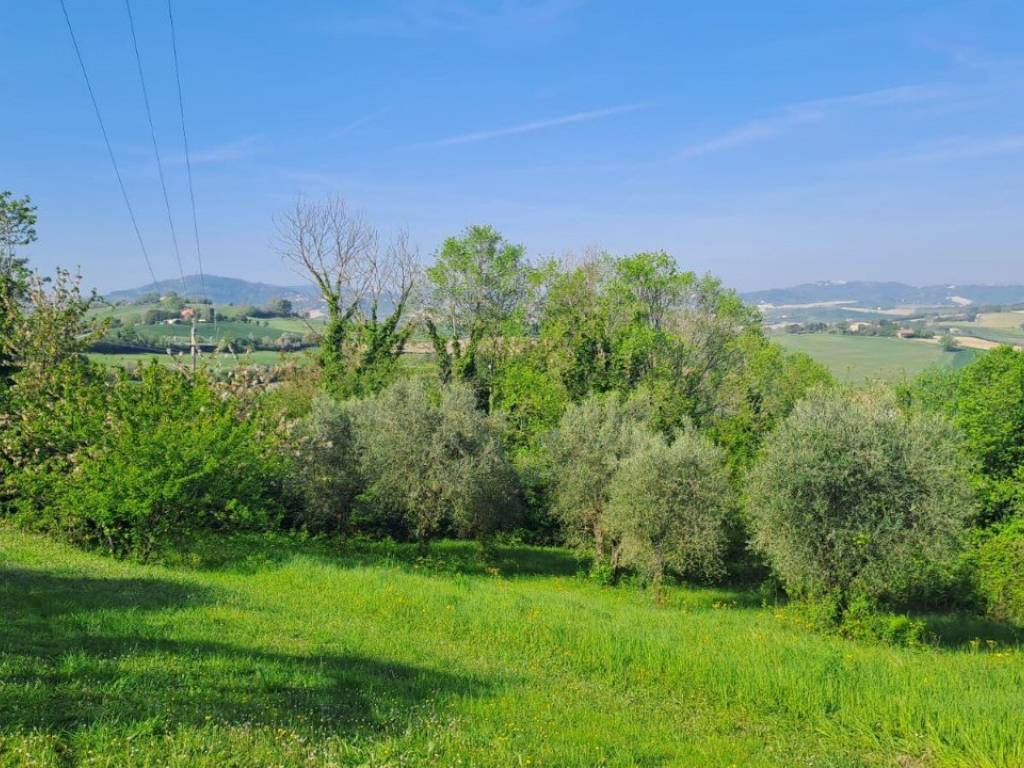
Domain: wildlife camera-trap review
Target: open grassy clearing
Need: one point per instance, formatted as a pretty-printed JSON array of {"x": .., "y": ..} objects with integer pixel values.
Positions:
[
  {"x": 856, "y": 358},
  {"x": 294, "y": 654},
  {"x": 221, "y": 361}
]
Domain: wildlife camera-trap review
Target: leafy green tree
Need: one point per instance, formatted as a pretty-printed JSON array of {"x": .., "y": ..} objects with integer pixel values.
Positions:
[
  {"x": 434, "y": 460},
  {"x": 669, "y": 504},
  {"x": 17, "y": 229},
  {"x": 855, "y": 497},
  {"x": 479, "y": 287},
  {"x": 584, "y": 452},
  {"x": 529, "y": 398},
  {"x": 326, "y": 473}
]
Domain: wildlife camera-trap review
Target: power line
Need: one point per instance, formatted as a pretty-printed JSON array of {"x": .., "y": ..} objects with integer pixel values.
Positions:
[
  {"x": 188, "y": 160},
  {"x": 106, "y": 140},
  {"x": 156, "y": 147}
]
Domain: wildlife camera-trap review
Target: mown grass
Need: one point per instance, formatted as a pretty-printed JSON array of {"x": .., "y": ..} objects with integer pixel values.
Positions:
[
  {"x": 283, "y": 652},
  {"x": 856, "y": 358}
]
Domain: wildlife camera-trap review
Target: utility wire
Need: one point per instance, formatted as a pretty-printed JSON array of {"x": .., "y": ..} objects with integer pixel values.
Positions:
[
  {"x": 188, "y": 162},
  {"x": 156, "y": 147},
  {"x": 106, "y": 140}
]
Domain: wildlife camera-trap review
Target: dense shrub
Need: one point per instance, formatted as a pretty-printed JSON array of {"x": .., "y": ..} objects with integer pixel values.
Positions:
[
  {"x": 326, "y": 475},
  {"x": 143, "y": 464},
  {"x": 582, "y": 455},
  {"x": 669, "y": 503},
  {"x": 1000, "y": 571},
  {"x": 431, "y": 458},
  {"x": 854, "y": 497}
]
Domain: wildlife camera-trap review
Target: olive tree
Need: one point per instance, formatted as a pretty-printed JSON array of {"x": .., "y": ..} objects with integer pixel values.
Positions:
[
  {"x": 853, "y": 497},
  {"x": 670, "y": 505},
  {"x": 430, "y": 456},
  {"x": 583, "y": 453},
  {"x": 326, "y": 475}
]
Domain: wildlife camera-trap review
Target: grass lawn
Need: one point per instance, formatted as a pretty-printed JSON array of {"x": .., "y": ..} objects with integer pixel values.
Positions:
[
  {"x": 294, "y": 654},
  {"x": 856, "y": 358}
]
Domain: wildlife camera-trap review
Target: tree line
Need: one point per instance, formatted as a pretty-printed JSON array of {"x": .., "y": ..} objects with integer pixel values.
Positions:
[{"x": 616, "y": 404}]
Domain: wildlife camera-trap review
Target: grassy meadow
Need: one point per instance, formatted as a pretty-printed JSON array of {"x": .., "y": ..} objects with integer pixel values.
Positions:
[
  {"x": 278, "y": 652},
  {"x": 856, "y": 358}
]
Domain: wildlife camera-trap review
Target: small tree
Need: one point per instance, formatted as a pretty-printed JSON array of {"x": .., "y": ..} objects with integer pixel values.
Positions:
[
  {"x": 670, "y": 506},
  {"x": 17, "y": 229},
  {"x": 326, "y": 466},
  {"x": 432, "y": 458},
  {"x": 583, "y": 454},
  {"x": 852, "y": 497}
]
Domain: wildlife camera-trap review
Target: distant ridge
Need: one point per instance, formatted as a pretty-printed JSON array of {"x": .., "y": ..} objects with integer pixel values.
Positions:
[
  {"x": 225, "y": 290},
  {"x": 887, "y": 294}
]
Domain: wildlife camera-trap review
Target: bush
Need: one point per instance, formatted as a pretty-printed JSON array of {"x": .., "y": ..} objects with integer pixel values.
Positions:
[
  {"x": 1000, "y": 571},
  {"x": 147, "y": 463},
  {"x": 431, "y": 458},
  {"x": 854, "y": 497},
  {"x": 326, "y": 476},
  {"x": 582, "y": 456},
  {"x": 670, "y": 504}
]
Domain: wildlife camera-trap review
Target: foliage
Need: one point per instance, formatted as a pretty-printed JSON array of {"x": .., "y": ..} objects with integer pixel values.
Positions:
[
  {"x": 852, "y": 496},
  {"x": 1000, "y": 571},
  {"x": 326, "y": 473},
  {"x": 529, "y": 398},
  {"x": 669, "y": 503},
  {"x": 149, "y": 463},
  {"x": 433, "y": 459},
  {"x": 17, "y": 229},
  {"x": 583, "y": 454}
]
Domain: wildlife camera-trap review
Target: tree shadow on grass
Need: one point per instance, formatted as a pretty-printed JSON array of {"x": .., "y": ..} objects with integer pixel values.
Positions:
[
  {"x": 959, "y": 630},
  {"x": 248, "y": 553},
  {"x": 75, "y": 651}
]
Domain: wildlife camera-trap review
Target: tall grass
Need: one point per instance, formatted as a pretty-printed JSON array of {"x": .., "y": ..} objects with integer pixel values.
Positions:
[{"x": 302, "y": 654}]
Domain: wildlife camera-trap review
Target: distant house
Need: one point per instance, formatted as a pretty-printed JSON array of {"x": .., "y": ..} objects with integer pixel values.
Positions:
[
  {"x": 188, "y": 313},
  {"x": 904, "y": 333},
  {"x": 856, "y": 327}
]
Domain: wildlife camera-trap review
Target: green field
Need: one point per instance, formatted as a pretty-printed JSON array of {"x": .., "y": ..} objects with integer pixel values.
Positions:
[
  {"x": 295, "y": 654},
  {"x": 220, "y": 361},
  {"x": 856, "y": 358}
]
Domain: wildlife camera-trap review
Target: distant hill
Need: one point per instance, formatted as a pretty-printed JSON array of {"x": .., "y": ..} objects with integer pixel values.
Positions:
[
  {"x": 225, "y": 290},
  {"x": 887, "y": 294}
]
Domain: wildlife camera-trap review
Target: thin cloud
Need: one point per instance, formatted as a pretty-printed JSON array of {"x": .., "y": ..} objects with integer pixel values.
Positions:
[
  {"x": 220, "y": 153},
  {"x": 970, "y": 149},
  {"x": 539, "y": 125},
  {"x": 359, "y": 122},
  {"x": 801, "y": 113}
]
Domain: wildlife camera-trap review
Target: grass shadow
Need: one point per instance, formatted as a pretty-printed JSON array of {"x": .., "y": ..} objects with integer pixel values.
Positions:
[
  {"x": 77, "y": 651},
  {"x": 960, "y": 630}
]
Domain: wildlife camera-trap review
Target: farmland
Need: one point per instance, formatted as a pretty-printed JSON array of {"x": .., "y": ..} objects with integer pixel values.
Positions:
[
  {"x": 856, "y": 358},
  {"x": 272, "y": 651}
]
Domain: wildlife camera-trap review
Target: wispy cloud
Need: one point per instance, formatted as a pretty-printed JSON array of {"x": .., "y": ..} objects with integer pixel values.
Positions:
[
  {"x": 359, "y": 122},
  {"x": 964, "y": 148},
  {"x": 791, "y": 116},
  {"x": 219, "y": 153},
  {"x": 538, "y": 125}
]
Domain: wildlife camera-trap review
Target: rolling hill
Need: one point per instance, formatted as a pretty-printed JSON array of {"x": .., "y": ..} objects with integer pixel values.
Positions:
[
  {"x": 225, "y": 290},
  {"x": 887, "y": 294}
]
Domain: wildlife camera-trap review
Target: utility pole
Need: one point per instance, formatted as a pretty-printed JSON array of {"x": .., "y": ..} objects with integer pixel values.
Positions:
[{"x": 195, "y": 346}]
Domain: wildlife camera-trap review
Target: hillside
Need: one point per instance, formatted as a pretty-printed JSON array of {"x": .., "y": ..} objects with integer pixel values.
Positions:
[
  {"x": 297, "y": 654},
  {"x": 225, "y": 290},
  {"x": 887, "y": 294}
]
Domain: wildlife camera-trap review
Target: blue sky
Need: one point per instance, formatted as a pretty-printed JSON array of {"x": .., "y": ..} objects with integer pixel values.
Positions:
[{"x": 768, "y": 143}]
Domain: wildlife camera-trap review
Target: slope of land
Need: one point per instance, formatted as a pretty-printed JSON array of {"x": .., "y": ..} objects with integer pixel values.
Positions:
[
  {"x": 856, "y": 358},
  {"x": 887, "y": 294},
  {"x": 224, "y": 290},
  {"x": 290, "y": 654}
]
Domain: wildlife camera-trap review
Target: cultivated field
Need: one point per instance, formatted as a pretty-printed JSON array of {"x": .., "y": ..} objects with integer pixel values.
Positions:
[
  {"x": 856, "y": 358},
  {"x": 290, "y": 654}
]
